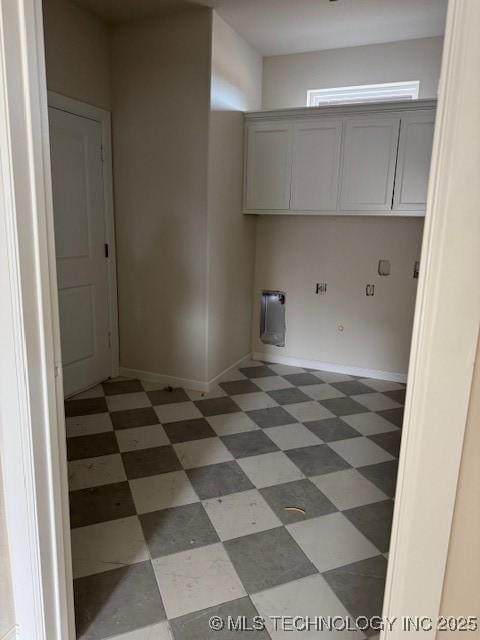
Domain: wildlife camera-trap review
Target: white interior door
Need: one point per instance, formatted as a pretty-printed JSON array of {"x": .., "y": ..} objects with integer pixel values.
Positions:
[{"x": 79, "y": 212}]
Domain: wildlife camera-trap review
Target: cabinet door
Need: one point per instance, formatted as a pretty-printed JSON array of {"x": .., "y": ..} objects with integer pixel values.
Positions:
[
  {"x": 369, "y": 155},
  {"x": 268, "y": 166},
  {"x": 413, "y": 166},
  {"x": 316, "y": 165}
]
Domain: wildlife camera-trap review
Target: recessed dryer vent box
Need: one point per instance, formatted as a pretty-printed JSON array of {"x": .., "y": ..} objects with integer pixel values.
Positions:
[{"x": 272, "y": 318}]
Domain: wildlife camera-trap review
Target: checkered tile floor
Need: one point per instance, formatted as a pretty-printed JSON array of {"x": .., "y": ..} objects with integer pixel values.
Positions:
[{"x": 181, "y": 503}]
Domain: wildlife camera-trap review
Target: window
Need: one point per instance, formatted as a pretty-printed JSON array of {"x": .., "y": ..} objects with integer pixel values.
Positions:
[{"x": 386, "y": 92}]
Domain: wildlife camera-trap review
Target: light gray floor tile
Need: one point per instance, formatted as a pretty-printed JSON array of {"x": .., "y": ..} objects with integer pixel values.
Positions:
[
  {"x": 369, "y": 423},
  {"x": 269, "y": 469},
  {"x": 288, "y": 498},
  {"x": 107, "y": 545},
  {"x": 376, "y": 401},
  {"x": 86, "y": 425},
  {"x": 291, "y": 436},
  {"x": 196, "y": 579},
  {"x": 141, "y": 437},
  {"x": 348, "y": 489},
  {"x": 240, "y": 514},
  {"x": 199, "y": 453},
  {"x": 306, "y": 411},
  {"x": 229, "y": 423},
  {"x": 128, "y": 401},
  {"x": 92, "y": 472},
  {"x": 360, "y": 452},
  {"x": 162, "y": 491},
  {"x": 341, "y": 542},
  {"x": 178, "y": 411},
  {"x": 254, "y": 401},
  {"x": 321, "y": 391}
]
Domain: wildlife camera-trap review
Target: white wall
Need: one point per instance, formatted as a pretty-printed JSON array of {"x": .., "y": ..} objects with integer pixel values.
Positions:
[
  {"x": 236, "y": 87},
  {"x": 294, "y": 253},
  {"x": 161, "y": 106},
  {"x": 286, "y": 79},
  {"x": 77, "y": 53}
]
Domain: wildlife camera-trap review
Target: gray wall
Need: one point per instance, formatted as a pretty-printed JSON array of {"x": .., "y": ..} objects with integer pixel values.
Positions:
[
  {"x": 161, "y": 99},
  {"x": 236, "y": 87},
  {"x": 288, "y": 78}
]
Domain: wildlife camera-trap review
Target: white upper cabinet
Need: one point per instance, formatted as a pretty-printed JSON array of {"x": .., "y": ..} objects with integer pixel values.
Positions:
[
  {"x": 369, "y": 156},
  {"x": 316, "y": 165},
  {"x": 268, "y": 166},
  {"x": 370, "y": 159},
  {"x": 413, "y": 165}
]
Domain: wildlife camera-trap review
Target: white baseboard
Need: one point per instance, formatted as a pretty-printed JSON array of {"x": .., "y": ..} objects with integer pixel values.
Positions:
[
  {"x": 333, "y": 368},
  {"x": 173, "y": 381},
  {"x": 11, "y": 634},
  {"x": 239, "y": 363}
]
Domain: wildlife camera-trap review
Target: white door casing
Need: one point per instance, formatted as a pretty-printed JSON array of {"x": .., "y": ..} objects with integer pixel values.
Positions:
[{"x": 80, "y": 237}]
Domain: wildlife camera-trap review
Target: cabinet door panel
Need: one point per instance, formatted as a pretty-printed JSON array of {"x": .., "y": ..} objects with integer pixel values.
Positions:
[
  {"x": 316, "y": 165},
  {"x": 268, "y": 166},
  {"x": 413, "y": 166},
  {"x": 369, "y": 156}
]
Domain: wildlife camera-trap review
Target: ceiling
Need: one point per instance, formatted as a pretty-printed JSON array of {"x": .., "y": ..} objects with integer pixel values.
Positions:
[{"x": 276, "y": 27}]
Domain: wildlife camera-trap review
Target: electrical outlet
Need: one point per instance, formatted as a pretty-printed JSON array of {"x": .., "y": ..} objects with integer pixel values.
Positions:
[
  {"x": 370, "y": 290},
  {"x": 384, "y": 267},
  {"x": 321, "y": 288},
  {"x": 416, "y": 269}
]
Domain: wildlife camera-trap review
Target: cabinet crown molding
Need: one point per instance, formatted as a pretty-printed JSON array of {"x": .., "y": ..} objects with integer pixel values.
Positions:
[{"x": 343, "y": 110}]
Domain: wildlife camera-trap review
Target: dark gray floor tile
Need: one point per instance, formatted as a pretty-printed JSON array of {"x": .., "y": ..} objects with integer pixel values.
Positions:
[
  {"x": 383, "y": 475},
  {"x": 117, "y": 601},
  {"x": 389, "y": 441},
  {"x": 301, "y": 379},
  {"x": 290, "y": 395},
  {"x": 398, "y": 395},
  {"x": 343, "y": 406},
  {"x": 360, "y": 586},
  {"x": 114, "y": 387},
  {"x": 150, "y": 462},
  {"x": 332, "y": 429},
  {"x": 97, "y": 444},
  {"x": 99, "y": 504},
  {"x": 374, "y": 521},
  {"x": 165, "y": 396},
  {"x": 133, "y": 418},
  {"x": 266, "y": 559},
  {"x": 217, "y": 406},
  {"x": 301, "y": 494},
  {"x": 195, "y": 626},
  {"x": 236, "y": 387},
  {"x": 218, "y": 480},
  {"x": 317, "y": 460},
  {"x": 177, "y": 529},
  {"x": 272, "y": 417},
  {"x": 352, "y": 387},
  {"x": 395, "y": 416},
  {"x": 85, "y": 406},
  {"x": 185, "y": 430},
  {"x": 258, "y": 372},
  {"x": 249, "y": 443}
]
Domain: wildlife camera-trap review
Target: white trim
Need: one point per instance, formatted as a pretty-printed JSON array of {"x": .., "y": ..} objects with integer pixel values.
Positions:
[
  {"x": 393, "y": 108},
  {"x": 162, "y": 379},
  {"x": 10, "y": 635},
  {"x": 364, "y": 93},
  {"x": 31, "y": 396},
  {"x": 444, "y": 340},
  {"x": 174, "y": 381},
  {"x": 213, "y": 381},
  {"x": 58, "y": 101},
  {"x": 305, "y": 363}
]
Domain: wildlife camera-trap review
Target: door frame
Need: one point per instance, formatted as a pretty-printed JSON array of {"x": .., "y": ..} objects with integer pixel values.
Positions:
[
  {"x": 31, "y": 390},
  {"x": 77, "y": 108}
]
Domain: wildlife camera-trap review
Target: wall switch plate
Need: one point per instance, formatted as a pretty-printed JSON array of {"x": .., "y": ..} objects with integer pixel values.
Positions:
[
  {"x": 370, "y": 290},
  {"x": 321, "y": 288},
  {"x": 384, "y": 267}
]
